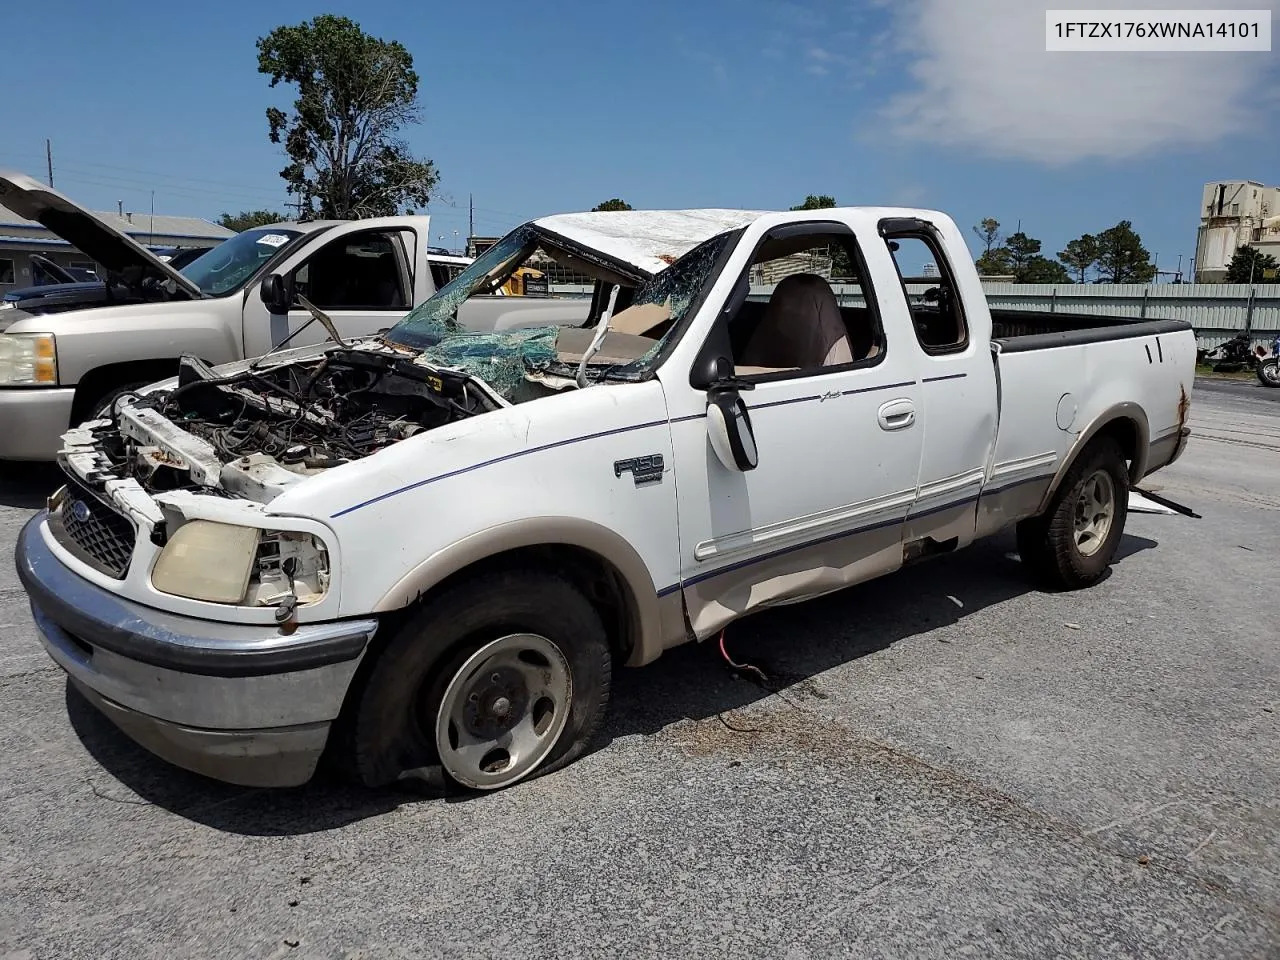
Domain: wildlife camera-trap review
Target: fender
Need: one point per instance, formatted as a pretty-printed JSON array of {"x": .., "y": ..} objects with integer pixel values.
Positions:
[
  {"x": 1127, "y": 411},
  {"x": 656, "y": 622}
]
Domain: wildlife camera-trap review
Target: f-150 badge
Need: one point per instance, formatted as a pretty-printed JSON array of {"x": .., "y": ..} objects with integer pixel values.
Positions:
[{"x": 643, "y": 469}]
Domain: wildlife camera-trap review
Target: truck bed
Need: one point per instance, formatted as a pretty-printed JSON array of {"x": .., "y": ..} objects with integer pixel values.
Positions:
[
  {"x": 1058, "y": 374},
  {"x": 1020, "y": 330}
]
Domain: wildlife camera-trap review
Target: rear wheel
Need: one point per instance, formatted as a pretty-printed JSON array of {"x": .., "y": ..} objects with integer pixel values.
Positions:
[
  {"x": 1072, "y": 544},
  {"x": 499, "y": 679},
  {"x": 1269, "y": 372}
]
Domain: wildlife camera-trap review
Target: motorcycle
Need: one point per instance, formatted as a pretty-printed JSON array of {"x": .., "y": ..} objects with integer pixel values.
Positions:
[
  {"x": 1268, "y": 368},
  {"x": 1231, "y": 355}
]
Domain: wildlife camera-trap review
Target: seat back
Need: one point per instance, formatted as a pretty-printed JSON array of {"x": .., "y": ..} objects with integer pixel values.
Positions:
[{"x": 801, "y": 327}]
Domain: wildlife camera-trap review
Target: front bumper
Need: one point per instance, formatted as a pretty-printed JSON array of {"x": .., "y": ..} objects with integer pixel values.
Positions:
[
  {"x": 33, "y": 421},
  {"x": 244, "y": 704}
]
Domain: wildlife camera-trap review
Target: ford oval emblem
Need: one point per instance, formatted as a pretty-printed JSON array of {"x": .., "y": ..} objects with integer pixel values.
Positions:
[{"x": 80, "y": 510}]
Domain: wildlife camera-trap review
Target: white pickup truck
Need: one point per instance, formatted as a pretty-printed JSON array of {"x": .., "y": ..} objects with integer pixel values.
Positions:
[
  {"x": 422, "y": 554},
  {"x": 236, "y": 301}
]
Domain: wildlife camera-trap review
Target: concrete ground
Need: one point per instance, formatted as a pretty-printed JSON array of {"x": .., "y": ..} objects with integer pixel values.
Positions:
[{"x": 957, "y": 765}]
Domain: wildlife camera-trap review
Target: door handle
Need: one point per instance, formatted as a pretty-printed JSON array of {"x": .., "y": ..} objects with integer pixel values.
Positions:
[{"x": 896, "y": 414}]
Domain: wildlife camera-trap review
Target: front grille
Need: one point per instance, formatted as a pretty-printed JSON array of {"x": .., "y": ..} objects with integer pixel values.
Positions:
[{"x": 93, "y": 530}]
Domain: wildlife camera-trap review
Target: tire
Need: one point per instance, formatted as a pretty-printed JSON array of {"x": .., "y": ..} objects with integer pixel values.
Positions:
[
  {"x": 440, "y": 684},
  {"x": 1269, "y": 372},
  {"x": 98, "y": 408},
  {"x": 1068, "y": 547}
]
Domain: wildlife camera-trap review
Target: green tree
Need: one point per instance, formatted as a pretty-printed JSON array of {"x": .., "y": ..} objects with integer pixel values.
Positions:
[
  {"x": 1248, "y": 265},
  {"x": 355, "y": 93},
  {"x": 994, "y": 263},
  {"x": 841, "y": 265},
  {"x": 1043, "y": 270},
  {"x": 1022, "y": 250},
  {"x": 1121, "y": 256},
  {"x": 988, "y": 231},
  {"x": 1080, "y": 255},
  {"x": 614, "y": 204},
  {"x": 816, "y": 202},
  {"x": 248, "y": 219}
]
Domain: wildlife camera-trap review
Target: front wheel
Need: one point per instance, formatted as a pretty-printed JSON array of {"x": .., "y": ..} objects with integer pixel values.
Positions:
[
  {"x": 100, "y": 407},
  {"x": 498, "y": 679},
  {"x": 1269, "y": 372},
  {"x": 1073, "y": 542}
]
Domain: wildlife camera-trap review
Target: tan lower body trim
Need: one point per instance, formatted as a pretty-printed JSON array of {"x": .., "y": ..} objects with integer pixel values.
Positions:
[
  {"x": 1007, "y": 505},
  {"x": 802, "y": 573}
]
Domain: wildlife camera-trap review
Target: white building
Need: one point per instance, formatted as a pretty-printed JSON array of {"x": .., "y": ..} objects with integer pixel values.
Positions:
[{"x": 1234, "y": 213}]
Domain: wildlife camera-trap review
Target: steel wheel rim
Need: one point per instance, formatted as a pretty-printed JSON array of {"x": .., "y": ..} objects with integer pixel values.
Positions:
[
  {"x": 1271, "y": 372},
  {"x": 1095, "y": 512},
  {"x": 503, "y": 711}
]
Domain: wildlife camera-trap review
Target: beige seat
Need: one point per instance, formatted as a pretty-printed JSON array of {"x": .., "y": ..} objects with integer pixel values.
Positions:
[{"x": 801, "y": 328}]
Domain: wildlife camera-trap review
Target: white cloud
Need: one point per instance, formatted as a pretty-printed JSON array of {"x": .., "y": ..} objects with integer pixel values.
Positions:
[{"x": 985, "y": 82}]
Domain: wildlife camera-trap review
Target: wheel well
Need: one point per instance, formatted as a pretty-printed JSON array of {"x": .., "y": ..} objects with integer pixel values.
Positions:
[
  {"x": 1127, "y": 434},
  {"x": 102, "y": 380},
  {"x": 597, "y": 579}
]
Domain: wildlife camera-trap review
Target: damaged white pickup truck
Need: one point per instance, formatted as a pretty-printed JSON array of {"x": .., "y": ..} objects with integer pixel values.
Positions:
[{"x": 421, "y": 555}]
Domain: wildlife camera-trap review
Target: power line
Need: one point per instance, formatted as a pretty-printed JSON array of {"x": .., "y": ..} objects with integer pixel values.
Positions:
[
  {"x": 150, "y": 174},
  {"x": 112, "y": 179},
  {"x": 192, "y": 193}
]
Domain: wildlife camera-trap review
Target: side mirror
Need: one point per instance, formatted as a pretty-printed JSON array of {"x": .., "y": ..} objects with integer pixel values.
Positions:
[
  {"x": 728, "y": 422},
  {"x": 730, "y": 433},
  {"x": 276, "y": 293}
]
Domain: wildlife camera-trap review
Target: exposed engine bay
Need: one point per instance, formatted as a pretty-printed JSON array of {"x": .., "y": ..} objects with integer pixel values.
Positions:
[{"x": 258, "y": 430}]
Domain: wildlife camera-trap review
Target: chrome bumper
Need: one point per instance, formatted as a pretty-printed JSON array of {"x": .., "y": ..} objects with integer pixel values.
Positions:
[
  {"x": 238, "y": 703},
  {"x": 34, "y": 419}
]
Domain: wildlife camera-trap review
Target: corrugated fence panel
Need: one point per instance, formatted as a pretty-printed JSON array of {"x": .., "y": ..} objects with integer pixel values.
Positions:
[{"x": 1217, "y": 311}]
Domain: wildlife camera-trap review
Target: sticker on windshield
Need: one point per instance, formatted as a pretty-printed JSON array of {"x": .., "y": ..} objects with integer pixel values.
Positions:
[{"x": 273, "y": 239}]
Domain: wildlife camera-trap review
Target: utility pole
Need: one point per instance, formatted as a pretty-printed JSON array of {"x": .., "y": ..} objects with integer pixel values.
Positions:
[
  {"x": 48, "y": 156},
  {"x": 471, "y": 221},
  {"x": 151, "y": 231}
]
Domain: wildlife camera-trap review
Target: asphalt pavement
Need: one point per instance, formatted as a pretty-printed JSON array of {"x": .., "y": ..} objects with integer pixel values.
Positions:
[{"x": 955, "y": 765}]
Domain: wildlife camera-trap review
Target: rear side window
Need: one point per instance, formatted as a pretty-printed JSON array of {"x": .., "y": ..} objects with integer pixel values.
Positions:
[{"x": 937, "y": 312}]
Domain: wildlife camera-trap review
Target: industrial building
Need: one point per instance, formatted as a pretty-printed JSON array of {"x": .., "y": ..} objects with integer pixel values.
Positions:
[
  {"x": 20, "y": 238},
  {"x": 1233, "y": 214}
]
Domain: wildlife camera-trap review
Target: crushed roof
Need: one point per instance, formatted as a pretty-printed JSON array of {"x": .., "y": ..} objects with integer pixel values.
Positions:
[{"x": 649, "y": 239}]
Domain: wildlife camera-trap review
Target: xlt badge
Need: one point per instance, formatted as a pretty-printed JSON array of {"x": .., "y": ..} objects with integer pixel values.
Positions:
[{"x": 643, "y": 469}]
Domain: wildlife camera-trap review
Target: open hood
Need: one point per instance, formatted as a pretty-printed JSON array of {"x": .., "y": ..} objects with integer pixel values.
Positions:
[{"x": 114, "y": 250}]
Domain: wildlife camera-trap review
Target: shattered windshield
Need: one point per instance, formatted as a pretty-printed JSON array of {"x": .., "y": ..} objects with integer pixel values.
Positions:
[
  {"x": 428, "y": 322},
  {"x": 660, "y": 304},
  {"x": 681, "y": 282},
  {"x": 227, "y": 266}
]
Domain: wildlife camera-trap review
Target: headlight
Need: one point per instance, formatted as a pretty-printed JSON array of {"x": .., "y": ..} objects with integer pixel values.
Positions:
[
  {"x": 245, "y": 566},
  {"x": 28, "y": 359}
]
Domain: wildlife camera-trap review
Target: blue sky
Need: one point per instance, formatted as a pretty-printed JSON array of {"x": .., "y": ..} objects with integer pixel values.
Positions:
[{"x": 540, "y": 108}]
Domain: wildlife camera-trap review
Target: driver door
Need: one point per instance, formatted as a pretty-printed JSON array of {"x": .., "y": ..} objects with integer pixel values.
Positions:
[
  {"x": 361, "y": 279},
  {"x": 836, "y": 437}
]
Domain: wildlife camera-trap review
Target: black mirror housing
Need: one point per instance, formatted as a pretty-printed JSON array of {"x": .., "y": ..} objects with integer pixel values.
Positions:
[{"x": 276, "y": 292}]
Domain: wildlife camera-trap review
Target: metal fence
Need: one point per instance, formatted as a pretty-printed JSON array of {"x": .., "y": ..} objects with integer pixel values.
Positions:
[{"x": 1217, "y": 311}]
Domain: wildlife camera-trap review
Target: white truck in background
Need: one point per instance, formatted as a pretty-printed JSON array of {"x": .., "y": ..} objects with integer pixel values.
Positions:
[
  {"x": 422, "y": 554},
  {"x": 234, "y": 302}
]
